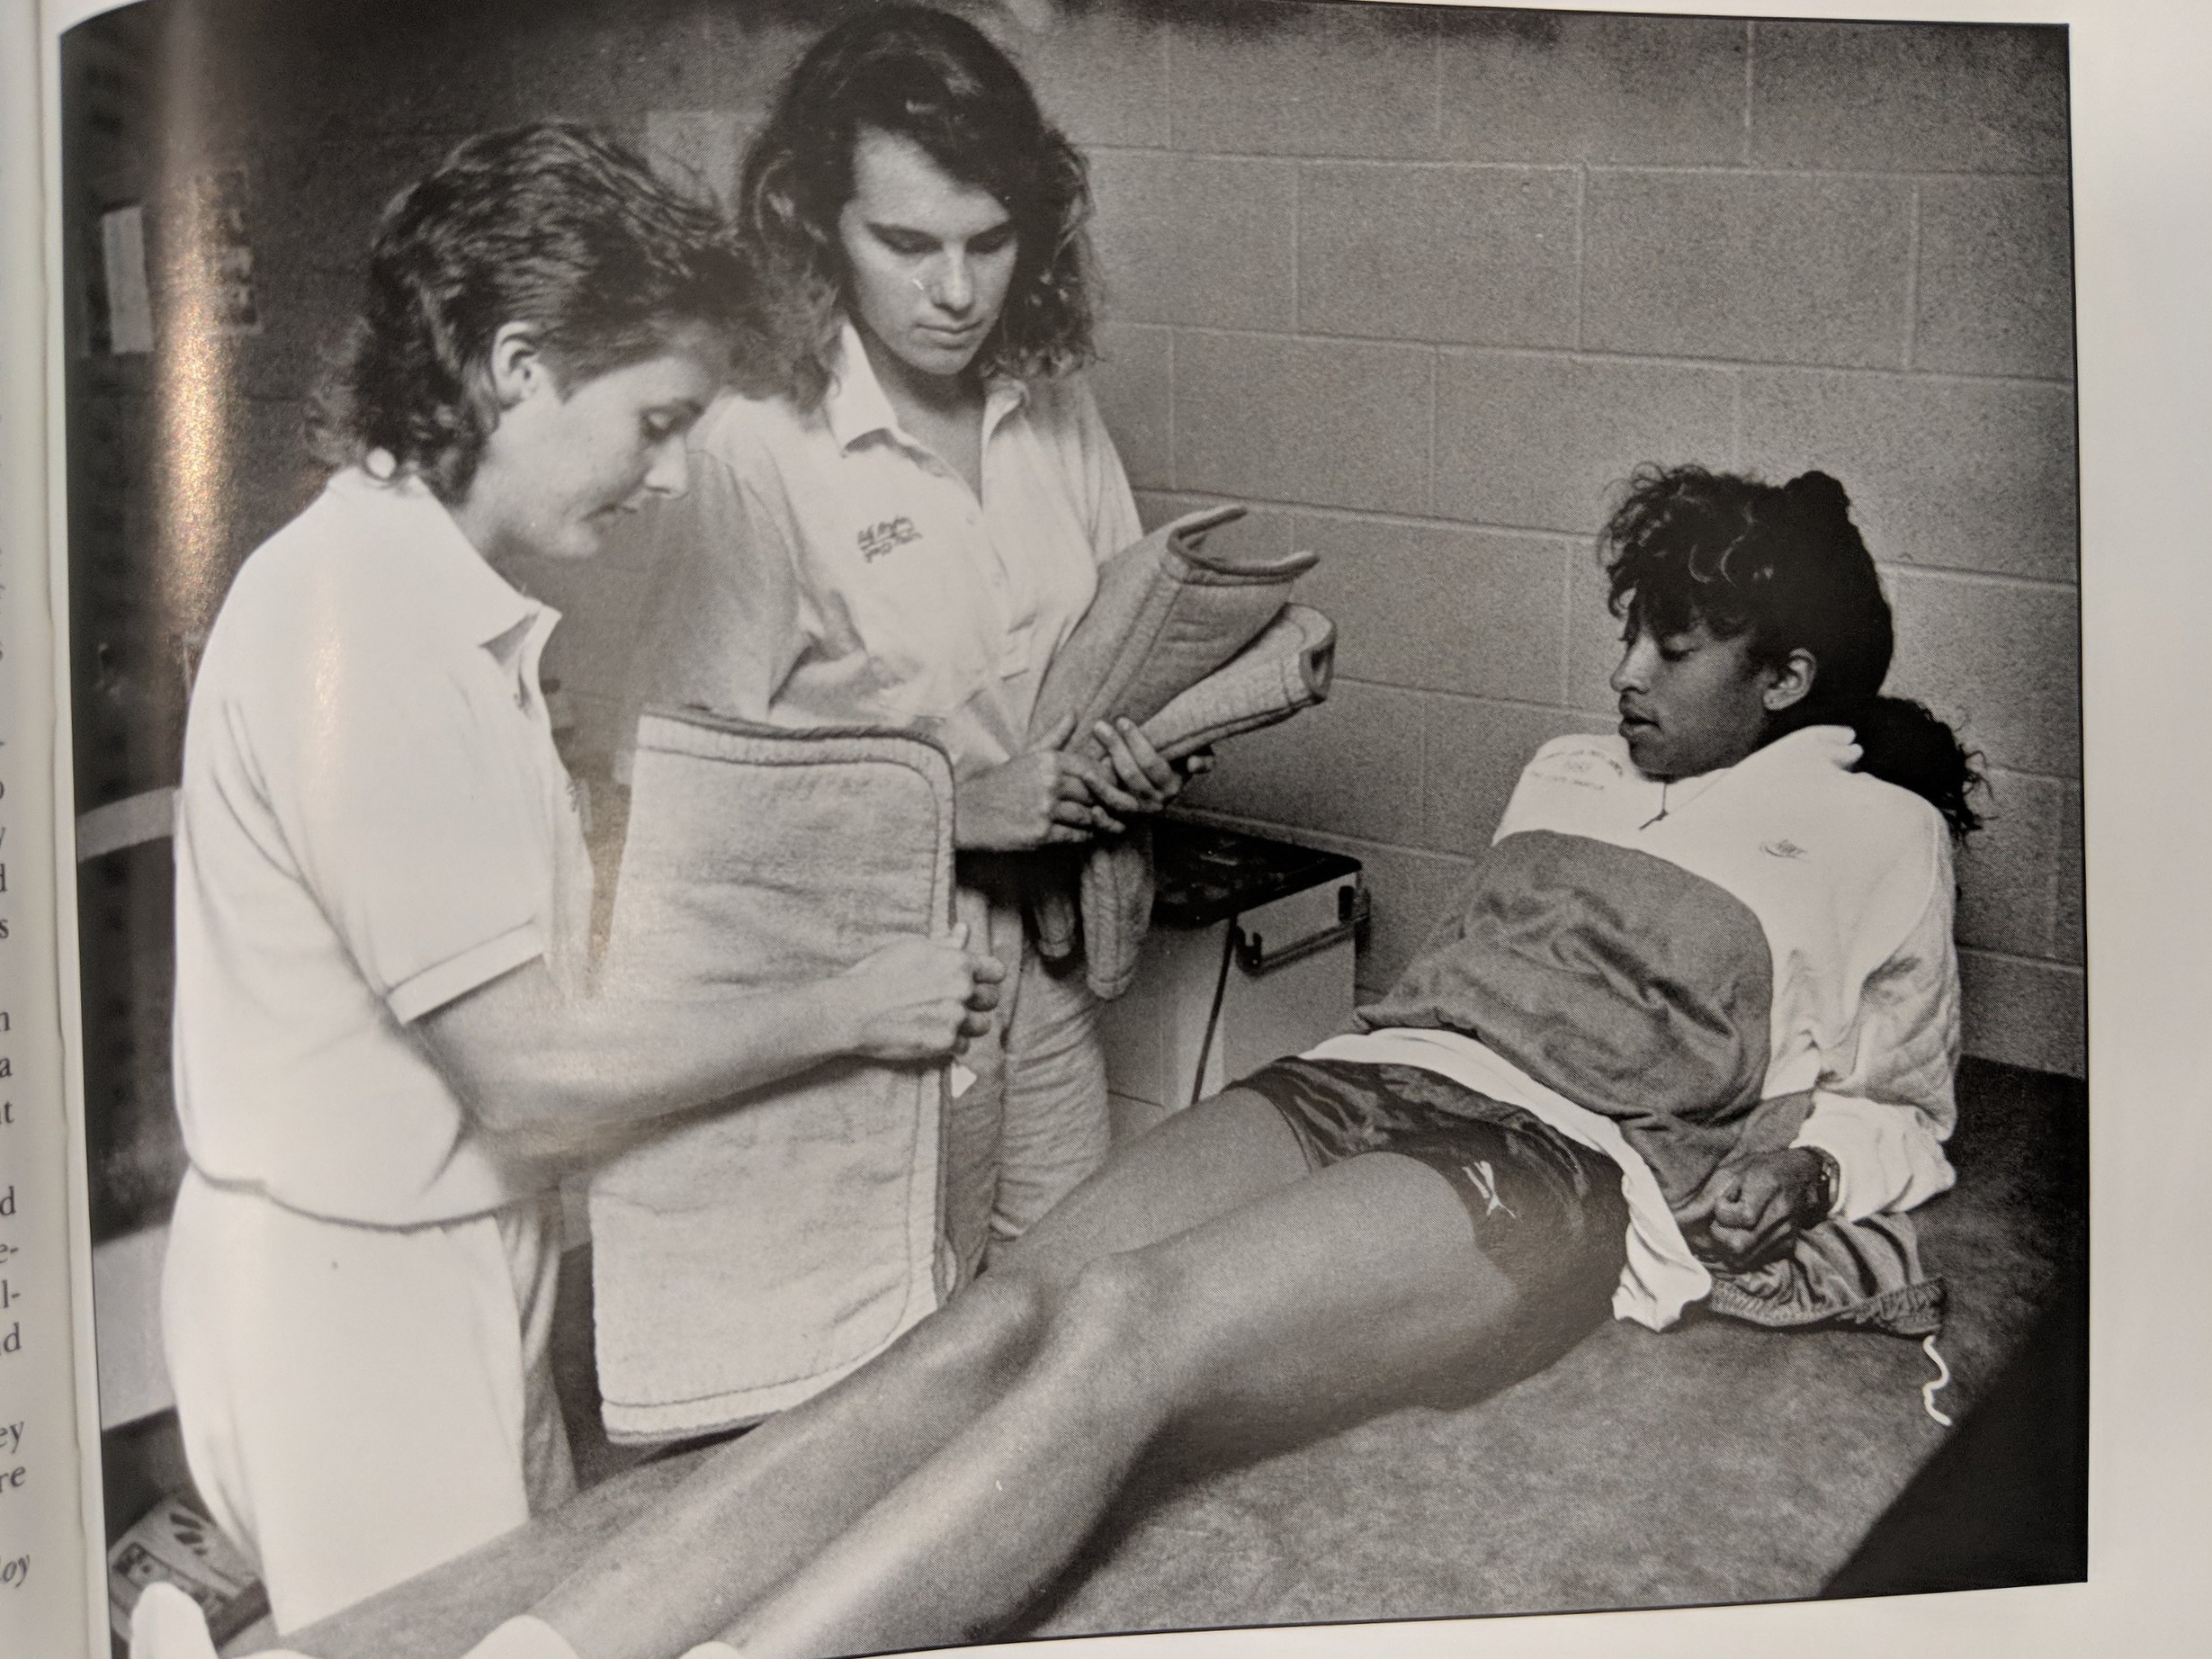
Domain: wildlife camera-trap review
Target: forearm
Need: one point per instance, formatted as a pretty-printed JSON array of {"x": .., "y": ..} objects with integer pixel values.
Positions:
[{"x": 559, "y": 1072}]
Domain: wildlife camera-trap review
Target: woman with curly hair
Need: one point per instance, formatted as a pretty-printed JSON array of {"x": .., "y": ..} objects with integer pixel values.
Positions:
[
  {"x": 1689, "y": 1034},
  {"x": 383, "y": 1059},
  {"x": 905, "y": 523}
]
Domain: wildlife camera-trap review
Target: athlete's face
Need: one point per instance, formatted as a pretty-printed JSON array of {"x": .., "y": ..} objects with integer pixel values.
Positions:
[
  {"x": 1691, "y": 702},
  {"x": 928, "y": 259}
]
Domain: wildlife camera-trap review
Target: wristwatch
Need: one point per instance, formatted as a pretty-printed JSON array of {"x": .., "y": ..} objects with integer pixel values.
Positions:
[{"x": 1831, "y": 1182}]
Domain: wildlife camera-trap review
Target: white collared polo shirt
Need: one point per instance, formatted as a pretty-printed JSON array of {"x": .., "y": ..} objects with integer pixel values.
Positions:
[
  {"x": 827, "y": 568},
  {"x": 373, "y": 821}
]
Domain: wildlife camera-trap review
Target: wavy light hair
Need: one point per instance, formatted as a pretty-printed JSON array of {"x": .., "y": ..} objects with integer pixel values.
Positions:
[{"x": 937, "y": 81}]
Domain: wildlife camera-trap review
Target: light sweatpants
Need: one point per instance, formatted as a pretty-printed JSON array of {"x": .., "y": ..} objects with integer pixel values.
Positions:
[
  {"x": 359, "y": 1404},
  {"x": 1033, "y": 1124}
]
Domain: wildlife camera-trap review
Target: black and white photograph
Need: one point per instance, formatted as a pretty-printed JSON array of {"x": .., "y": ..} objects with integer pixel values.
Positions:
[{"x": 904, "y": 824}]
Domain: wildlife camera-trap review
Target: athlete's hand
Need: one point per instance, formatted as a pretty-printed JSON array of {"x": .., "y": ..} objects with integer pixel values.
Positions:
[
  {"x": 1041, "y": 798},
  {"x": 921, "y": 999},
  {"x": 1752, "y": 1209}
]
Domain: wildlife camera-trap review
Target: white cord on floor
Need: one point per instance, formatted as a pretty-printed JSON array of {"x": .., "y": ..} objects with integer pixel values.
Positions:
[{"x": 1942, "y": 1380}]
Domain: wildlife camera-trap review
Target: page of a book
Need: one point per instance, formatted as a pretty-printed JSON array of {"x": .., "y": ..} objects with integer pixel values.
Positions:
[
  {"x": 48, "y": 1486},
  {"x": 1420, "y": 287}
]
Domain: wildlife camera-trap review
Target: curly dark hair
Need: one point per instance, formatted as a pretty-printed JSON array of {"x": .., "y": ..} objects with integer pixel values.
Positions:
[
  {"x": 1785, "y": 565},
  {"x": 937, "y": 81},
  {"x": 549, "y": 225}
]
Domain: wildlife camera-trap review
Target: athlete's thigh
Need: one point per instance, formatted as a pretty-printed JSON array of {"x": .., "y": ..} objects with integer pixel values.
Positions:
[
  {"x": 1198, "y": 1164},
  {"x": 1356, "y": 1289}
]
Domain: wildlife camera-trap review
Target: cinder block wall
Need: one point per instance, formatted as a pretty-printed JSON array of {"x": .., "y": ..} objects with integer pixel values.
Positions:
[{"x": 1422, "y": 286}]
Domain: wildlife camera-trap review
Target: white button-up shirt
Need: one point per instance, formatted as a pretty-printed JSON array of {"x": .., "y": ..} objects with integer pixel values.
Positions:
[
  {"x": 828, "y": 569},
  {"x": 373, "y": 821}
]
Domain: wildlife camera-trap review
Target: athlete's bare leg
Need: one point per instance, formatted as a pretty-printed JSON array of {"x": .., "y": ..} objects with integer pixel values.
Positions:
[
  {"x": 749, "y": 1516},
  {"x": 1343, "y": 1290}
]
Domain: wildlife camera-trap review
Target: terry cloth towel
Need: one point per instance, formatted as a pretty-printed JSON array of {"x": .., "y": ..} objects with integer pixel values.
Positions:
[
  {"x": 749, "y": 1257},
  {"x": 1167, "y": 614}
]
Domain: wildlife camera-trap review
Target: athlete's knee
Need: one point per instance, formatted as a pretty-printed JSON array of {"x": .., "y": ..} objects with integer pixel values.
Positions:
[{"x": 1114, "y": 1325}]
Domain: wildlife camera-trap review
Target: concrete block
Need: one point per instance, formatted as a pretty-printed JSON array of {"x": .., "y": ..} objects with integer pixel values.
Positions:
[
  {"x": 1593, "y": 635},
  {"x": 1472, "y": 750},
  {"x": 1304, "y": 80},
  {"x": 1351, "y": 767},
  {"x": 1440, "y": 609},
  {"x": 1193, "y": 240},
  {"x": 1327, "y": 423},
  {"x": 1969, "y": 475},
  {"x": 743, "y": 60},
  {"x": 1995, "y": 288},
  {"x": 2008, "y": 870},
  {"x": 2032, "y": 1014},
  {"x": 1100, "y": 75},
  {"x": 1571, "y": 86},
  {"x": 1412, "y": 893},
  {"x": 1133, "y": 380},
  {"x": 2001, "y": 659},
  {"x": 1771, "y": 267},
  {"x": 1483, "y": 255},
  {"x": 1542, "y": 441},
  {"x": 1910, "y": 96},
  {"x": 2069, "y": 933}
]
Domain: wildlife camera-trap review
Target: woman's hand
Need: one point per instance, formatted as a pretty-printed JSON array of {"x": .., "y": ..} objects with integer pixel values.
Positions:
[
  {"x": 1141, "y": 781},
  {"x": 1752, "y": 1209},
  {"x": 921, "y": 999},
  {"x": 1040, "y": 798}
]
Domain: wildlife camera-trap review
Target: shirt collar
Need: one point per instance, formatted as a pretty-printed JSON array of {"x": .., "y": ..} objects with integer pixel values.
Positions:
[
  {"x": 454, "y": 583},
  {"x": 856, "y": 406}
]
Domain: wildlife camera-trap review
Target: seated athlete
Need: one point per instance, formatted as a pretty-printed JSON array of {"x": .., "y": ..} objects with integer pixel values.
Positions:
[{"x": 1697, "y": 1013}]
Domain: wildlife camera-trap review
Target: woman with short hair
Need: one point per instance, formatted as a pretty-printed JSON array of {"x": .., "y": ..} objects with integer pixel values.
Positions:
[
  {"x": 1690, "y": 1031},
  {"x": 383, "y": 1057}
]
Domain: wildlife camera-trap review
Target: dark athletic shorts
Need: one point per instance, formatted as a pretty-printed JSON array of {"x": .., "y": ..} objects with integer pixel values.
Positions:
[{"x": 1547, "y": 1210}]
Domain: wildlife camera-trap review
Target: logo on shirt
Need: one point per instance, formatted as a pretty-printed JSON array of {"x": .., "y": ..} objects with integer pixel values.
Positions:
[
  {"x": 880, "y": 539},
  {"x": 1782, "y": 849}
]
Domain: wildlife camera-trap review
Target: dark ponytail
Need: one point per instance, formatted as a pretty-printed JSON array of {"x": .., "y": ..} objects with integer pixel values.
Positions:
[
  {"x": 1785, "y": 565},
  {"x": 1901, "y": 742}
]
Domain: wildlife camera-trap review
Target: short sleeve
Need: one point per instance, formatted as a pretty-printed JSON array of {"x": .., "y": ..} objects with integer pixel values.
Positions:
[
  {"x": 415, "y": 812},
  {"x": 720, "y": 628}
]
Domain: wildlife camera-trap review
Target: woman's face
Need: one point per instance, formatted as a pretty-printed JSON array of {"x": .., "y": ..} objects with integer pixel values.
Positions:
[
  {"x": 928, "y": 259},
  {"x": 566, "y": 461},
  {"x": 1691, "y": 702}
]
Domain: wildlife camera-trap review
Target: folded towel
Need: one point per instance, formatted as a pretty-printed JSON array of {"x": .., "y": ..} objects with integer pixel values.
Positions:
[
  {"x": 753, "y": 1254},
  {"x": 1167, "y": 615}
]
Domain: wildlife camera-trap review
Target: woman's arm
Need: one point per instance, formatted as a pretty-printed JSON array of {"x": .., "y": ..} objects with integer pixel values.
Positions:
[{"x": 554, "y": 1074}]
